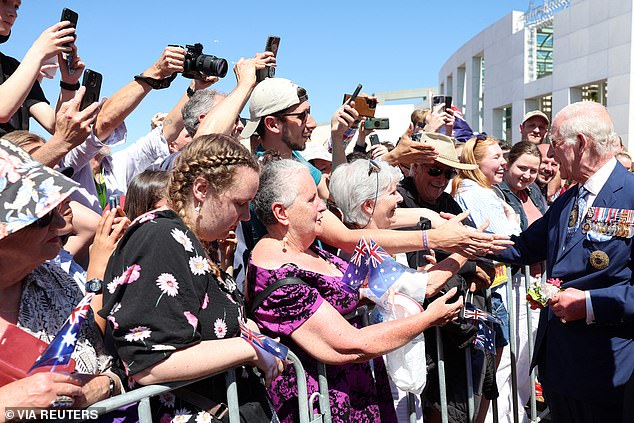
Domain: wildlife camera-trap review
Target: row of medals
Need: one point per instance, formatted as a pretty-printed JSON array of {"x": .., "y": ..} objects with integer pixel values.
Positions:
[{"x": 611, "y": 222}]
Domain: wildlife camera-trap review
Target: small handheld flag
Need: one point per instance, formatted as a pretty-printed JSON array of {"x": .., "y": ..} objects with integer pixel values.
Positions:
[
  {"x": 469, "y": 311},
  {"x": 61, "y": 348},
  {"x": 264, "y": 343}
]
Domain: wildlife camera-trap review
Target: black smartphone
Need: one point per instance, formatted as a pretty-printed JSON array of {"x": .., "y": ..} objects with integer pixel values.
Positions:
[
  {"x": 272, "y": 44},
  {"x": 354, "y": 95},
  {"x": 374, "y": 139},
  {"x": 71, "y": 16},
  {"x": 92, "y": 82},
  {"x": 439, "y": 99}
]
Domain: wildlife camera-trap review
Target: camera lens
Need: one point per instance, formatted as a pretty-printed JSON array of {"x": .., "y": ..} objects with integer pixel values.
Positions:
[{"x": 211, "y": 65}]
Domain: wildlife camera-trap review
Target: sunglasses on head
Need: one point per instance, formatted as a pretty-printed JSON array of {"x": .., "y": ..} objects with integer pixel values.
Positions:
[{"x": 435, "y": 171}]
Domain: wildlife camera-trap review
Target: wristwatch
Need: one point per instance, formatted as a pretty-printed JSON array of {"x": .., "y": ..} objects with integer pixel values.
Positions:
[
  {"x": 94, "y": 285},
  {"x": 156, "y": 84}
]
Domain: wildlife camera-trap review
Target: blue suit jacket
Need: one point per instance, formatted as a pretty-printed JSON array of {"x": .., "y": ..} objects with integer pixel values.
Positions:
[{"x": 587, "y": 362}]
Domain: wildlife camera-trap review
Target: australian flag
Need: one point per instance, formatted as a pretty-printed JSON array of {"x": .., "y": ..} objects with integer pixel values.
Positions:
[
  {"x": 471, "y": 312},
  {"x": 61, "y": 348},
  {"x": 264, "y": 343},
  {"x": 384, "y": 270},
  {"x": 485, "y": 338},
  {"x": 357, "y": 268}
]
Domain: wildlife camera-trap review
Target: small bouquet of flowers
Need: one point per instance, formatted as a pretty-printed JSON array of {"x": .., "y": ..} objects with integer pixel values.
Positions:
[{"x": 541, "y": 292}]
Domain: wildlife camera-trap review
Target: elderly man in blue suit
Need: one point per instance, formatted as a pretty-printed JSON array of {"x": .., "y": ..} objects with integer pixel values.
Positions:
[{"x": 585, "y": 341}]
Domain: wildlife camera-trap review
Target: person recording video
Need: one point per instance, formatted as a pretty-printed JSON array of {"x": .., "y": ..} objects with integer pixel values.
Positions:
[{"x": 21, "y": 96}]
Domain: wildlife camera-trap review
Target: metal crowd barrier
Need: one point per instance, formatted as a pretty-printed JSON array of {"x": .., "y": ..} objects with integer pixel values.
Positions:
[
  {"x": 472, "y": 405},
  {"x": 142, "y": 397}
]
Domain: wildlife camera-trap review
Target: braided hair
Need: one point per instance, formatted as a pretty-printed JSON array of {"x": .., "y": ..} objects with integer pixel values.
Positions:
[{"x": 215, "y": 158}]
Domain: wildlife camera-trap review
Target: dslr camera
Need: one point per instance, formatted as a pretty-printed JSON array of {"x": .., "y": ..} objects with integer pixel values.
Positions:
[{"x": 197, "y": 63}]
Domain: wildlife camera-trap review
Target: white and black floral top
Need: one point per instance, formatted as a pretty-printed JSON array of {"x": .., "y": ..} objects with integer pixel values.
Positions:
[
  {"x": 48, "y": 298},
  {"x": 161, "y": 294}
]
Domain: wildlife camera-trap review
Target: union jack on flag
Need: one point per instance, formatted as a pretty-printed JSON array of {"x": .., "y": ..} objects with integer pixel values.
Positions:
[
  {"x": 59, "y": 351},
  {"x": 264, "y": 343},
  {"x": 470, "y": 311},
  {"x": 359, "y": 252},
  {"x": 357, "y": 269},
  {"x": 375, "y": 253}
]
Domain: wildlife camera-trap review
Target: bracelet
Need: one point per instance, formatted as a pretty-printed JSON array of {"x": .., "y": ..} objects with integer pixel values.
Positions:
[
  {"x": 69, "y": 87},
  {"x": 190, "y": 92},
  {"x": 111, "y": 386},
  {"x": 425, "y": 244}
]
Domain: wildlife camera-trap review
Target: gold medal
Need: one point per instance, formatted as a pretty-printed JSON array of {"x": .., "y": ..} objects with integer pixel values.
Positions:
[{"x": 599, "y": 260}]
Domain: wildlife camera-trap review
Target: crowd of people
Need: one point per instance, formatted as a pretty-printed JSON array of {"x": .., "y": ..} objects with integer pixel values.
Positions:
[{"x": 209, "y": 228}]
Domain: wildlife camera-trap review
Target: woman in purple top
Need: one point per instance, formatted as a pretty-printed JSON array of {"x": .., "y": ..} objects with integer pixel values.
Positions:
[{"x": 308, "y": 317}]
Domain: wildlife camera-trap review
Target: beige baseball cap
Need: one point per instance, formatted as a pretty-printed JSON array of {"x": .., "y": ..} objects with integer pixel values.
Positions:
[
  {"x": 533, "y": 113},
  {"x": 271, "y": 96},
  {"x": 446, "y": 150}
]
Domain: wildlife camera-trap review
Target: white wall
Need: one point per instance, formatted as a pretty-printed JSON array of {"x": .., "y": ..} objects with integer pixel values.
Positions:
[{"x": 592, "y": 42}]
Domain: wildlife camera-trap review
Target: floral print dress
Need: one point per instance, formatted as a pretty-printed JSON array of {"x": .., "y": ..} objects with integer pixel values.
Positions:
[
  {"x": 161, "y": 295},
  {"x": 355, "y": 396}
]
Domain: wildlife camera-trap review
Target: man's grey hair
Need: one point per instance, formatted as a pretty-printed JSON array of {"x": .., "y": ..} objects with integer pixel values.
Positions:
[
  {"x": 350, "y": 186},
  {"x": 591, "y": 119},
  {"x": 278, "y": 184},
  {"x": 199, "y": 104}
]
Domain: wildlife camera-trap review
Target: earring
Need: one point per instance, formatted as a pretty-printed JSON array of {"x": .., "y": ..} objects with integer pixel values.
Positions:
[
  {"x": 198, "y": 207},
  {"x": 284, "y": 241}
]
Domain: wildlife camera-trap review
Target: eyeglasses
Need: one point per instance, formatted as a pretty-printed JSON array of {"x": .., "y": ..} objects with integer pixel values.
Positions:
[
  {"x": 436, "y": 171},
  {"x": 303, "y": 116},
  {"x": 556, "y": 142},
  {"x": 45, "y": 220}
]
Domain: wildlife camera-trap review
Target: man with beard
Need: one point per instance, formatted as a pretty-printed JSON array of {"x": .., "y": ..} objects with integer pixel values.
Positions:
[
  {"x": 280, "y": 114},
  {"x": 548, "y": 179}
]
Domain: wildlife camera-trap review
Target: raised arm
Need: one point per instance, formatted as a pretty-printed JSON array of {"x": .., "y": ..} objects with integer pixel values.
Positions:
[
  {"x": 451, "y": 236},
  {"x": 15, "y": 89},
  {"x": 119, "y": 106},
  {"x": 222, "y": 116}
]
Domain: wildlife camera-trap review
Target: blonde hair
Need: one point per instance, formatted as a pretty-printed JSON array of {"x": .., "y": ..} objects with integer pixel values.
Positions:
[
  {"x": 213, "y": 157},
  {"x": 472, "y": 153}
]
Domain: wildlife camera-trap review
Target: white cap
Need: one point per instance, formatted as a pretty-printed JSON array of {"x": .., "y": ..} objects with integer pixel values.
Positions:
[
  {"x": 271, "y": 96},
  {"x": 316, "y": 150}
]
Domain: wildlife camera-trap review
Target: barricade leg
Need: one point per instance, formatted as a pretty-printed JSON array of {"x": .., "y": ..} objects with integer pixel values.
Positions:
[
  {"x": 232, "y": 396},
  {"x": 302, "y": 390},
  {"x": 531, "y": 345},
  {"x": 512, "y": 344},
  {"x": 145, "y": 411},
  {"x": 442, "y": 386},
  {"x": 324, "y": 398}
]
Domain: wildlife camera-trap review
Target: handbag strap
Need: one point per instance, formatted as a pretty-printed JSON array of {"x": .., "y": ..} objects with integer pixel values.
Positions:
[{"x": 259, "y": 299}]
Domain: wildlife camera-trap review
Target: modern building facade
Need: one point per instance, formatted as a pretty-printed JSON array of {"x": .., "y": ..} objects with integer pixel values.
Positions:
[{"x": 556, "y": 53}]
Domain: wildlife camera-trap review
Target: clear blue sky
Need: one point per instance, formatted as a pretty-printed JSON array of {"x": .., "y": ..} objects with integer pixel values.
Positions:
[{"x": 327, "y": 47}]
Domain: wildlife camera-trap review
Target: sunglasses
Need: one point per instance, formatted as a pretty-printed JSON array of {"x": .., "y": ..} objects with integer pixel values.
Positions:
[
  {"x": 45, "y": 220},
  {"x": 302, "y": 116},
  {"x": 436, "y": 171}
]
